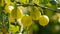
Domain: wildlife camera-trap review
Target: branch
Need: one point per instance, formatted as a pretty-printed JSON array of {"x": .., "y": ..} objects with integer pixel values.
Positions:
[{"x": 43, "y": 7}]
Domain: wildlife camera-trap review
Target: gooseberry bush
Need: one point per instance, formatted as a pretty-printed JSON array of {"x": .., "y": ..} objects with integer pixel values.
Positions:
[{"x": 19, "y": 16}]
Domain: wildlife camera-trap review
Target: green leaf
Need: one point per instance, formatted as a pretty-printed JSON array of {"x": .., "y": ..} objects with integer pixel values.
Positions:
[
  {"x": 8, "y": 2},
  {"x": 49, "y": 13},
  {"x": 24, "y": 1},
  {"x": 2, "y": 3}
]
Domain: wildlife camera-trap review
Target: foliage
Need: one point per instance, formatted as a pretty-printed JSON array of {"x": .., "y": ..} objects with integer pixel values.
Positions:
[{"x": 28, "y": 11}]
